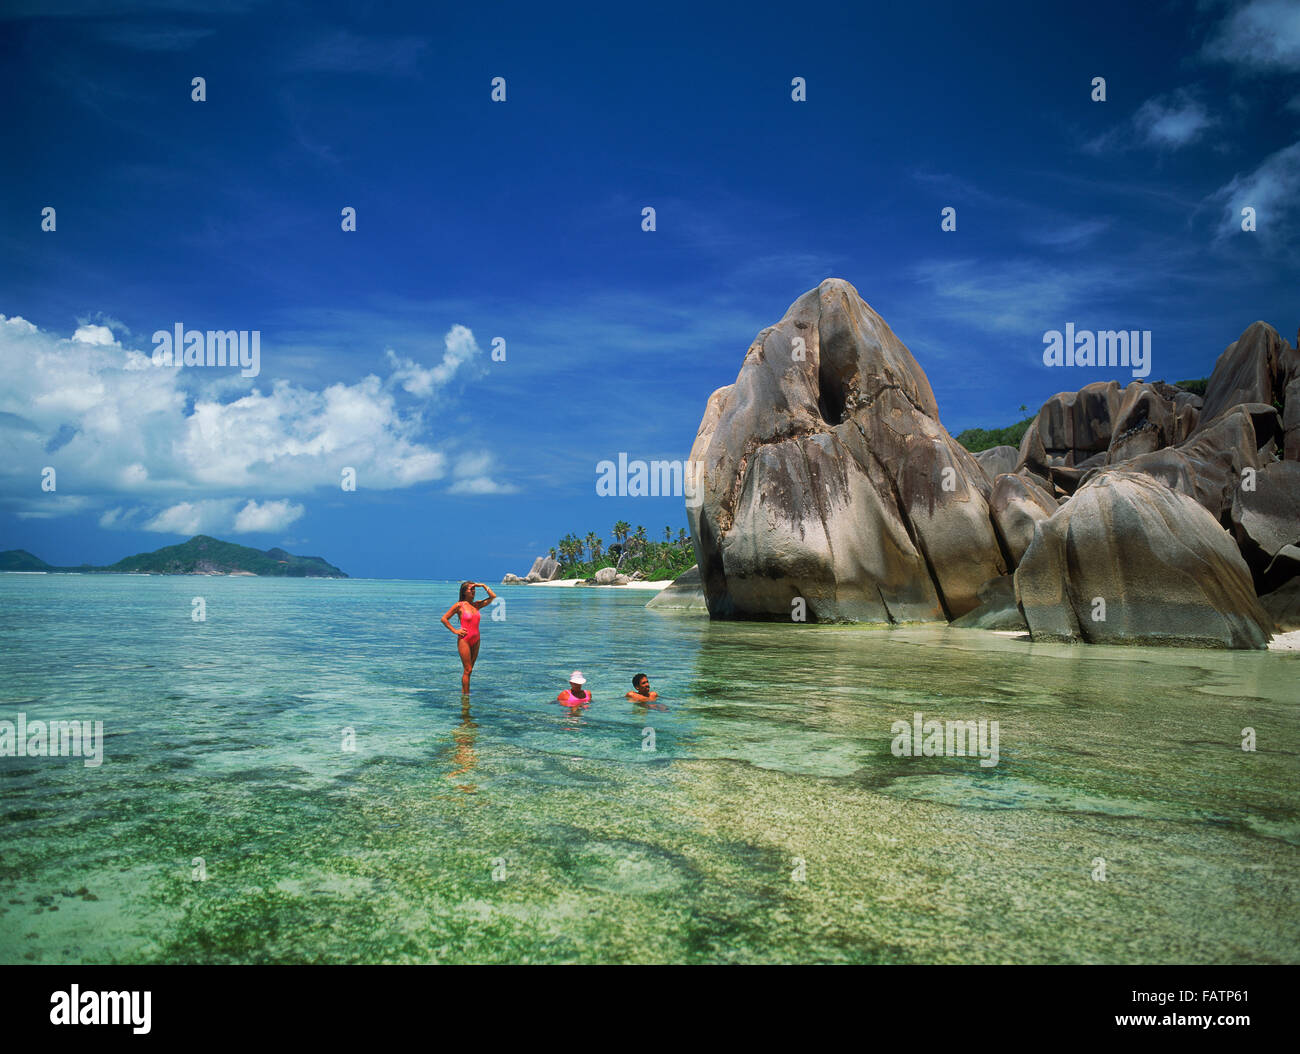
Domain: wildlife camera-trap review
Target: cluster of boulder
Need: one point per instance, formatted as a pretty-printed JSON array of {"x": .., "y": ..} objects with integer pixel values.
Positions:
[
  {"x": 548, "y": 569},
  {"x": 1145, "y": 514},
  {"x": 544, "y": 569}
]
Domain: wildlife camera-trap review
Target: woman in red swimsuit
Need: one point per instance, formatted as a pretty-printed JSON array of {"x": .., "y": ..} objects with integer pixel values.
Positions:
[{"x": 468, "y": 610}]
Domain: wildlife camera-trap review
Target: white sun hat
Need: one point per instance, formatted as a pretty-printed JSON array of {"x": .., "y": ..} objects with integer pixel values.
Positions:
[{"x": 577, "y": 678}]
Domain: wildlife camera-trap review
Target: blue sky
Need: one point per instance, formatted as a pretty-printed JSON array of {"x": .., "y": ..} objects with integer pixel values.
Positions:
[{"x": 522, "y": 220}]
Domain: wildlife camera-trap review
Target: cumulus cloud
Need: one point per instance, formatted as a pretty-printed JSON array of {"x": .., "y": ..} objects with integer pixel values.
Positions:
[
  {"x": 1261, "y": 34},
  {"x": 269, "y": 516},
  {"x": 218, "y": 456},
  {"x": 94, "y": 335}
]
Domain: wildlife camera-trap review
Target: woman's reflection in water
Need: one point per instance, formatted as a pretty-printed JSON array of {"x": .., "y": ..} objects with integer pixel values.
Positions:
[{"x": 465, "y": 758}]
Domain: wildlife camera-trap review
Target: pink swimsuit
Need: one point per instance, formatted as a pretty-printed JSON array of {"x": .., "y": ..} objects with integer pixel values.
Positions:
[
  {"x": 567, "y": 698},
  {"x": 469, "y": 617}
]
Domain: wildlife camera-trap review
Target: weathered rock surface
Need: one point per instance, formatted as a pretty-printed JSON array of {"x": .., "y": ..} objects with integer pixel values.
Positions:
[
  {"x": 997, "y": 460},
  {"x": 685, "y": 594},
  {"x": 1266, "y": 518},
  {"x": 1151, "y": 417},
  {"x": 1283, "y": 606},
  {"x": 1208, "y": 467},
  {"x": 511, "y": 580},
  {"x": 1100, "y": 425},
  {"x": 1252, "y": 369},
  {"x": 544, "y": 569},
  {"x": 1291, "y": 421},
  {"x": 827, "y": 476},
  {"x": 1162, "y": 568},
  {"x": 998, "y": 609},
  {"x": 1016, "y": 505},
  {"x": 605, "y": 576}
]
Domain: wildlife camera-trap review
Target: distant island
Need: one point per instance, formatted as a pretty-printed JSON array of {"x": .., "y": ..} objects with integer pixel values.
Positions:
[{"x": 201, "y": 555}]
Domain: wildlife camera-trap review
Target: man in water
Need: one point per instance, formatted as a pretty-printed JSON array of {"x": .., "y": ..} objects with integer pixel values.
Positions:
[{"x": 642, "y": 693}]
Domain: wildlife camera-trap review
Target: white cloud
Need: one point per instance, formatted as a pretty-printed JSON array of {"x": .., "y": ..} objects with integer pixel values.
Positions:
[
  {"x": 472, "y": 476},
  {"x": 459, "y": 349},
  {"x": 1272, "y": 190},
  {"x": 133, "y": 429},
  {"x": 91, "y": 334},
  {"x": 1262, "y": 34},
  {"x": 190, "y": 517},
  {"x": 269, "y": 516}
]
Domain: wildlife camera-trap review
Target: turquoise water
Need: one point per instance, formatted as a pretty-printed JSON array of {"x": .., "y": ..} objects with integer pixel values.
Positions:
[{"x": 771, "y": 822}]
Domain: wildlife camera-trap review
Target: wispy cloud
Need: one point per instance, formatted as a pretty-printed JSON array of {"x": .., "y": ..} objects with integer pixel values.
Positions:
[
  {"x": 1263, "y": 35},
  {"x": 1164, "y": 122},
  {"x": 1272, "y": 190},
  {"x": 1012, "y": 297},
  {"x": 154, "y": 38},
  {"x": 343, "y": 52}
]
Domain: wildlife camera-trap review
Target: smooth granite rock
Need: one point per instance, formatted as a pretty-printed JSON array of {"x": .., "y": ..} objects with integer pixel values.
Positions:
[
  {"x": 826, "y": 476},
  {"x": 1129, "y": 561}
]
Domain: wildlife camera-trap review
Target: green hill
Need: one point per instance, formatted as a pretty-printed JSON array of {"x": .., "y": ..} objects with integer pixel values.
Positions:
[
  {"x": 200, "y": 555},
  {"x": 22, "y": 560}
]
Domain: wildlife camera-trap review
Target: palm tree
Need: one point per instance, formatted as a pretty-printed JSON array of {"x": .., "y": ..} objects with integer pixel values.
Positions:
[
  {"x": 683, "y": 539},
  {"x": 668, "y": 535},
  {"x": 593, "y": 546}
]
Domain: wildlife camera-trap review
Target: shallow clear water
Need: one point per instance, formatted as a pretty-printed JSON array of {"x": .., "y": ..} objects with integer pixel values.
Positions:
[{"x": 771, "y": 822}]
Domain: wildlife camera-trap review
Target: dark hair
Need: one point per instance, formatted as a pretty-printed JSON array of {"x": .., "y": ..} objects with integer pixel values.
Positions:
[
  {"x": 637, "y": 678},
  {"x": 465, "y": 587}
]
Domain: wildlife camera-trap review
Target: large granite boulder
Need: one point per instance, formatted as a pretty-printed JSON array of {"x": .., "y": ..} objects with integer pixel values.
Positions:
[
  {"x": 1266, "y": 514},
  {"x": 826, "y": 477},
  {"x": 1072, "y": 427},
  {"x": 998, "y": 459},
  {"x": 1209, "y": 466},
  {"x": 606, "y": 576},
  {"x": 685, "y": 594},
  {"x": 1151, "y": 417},
  {"x": 1017, "y": 505},
  {"x": 1254, "y": 368},
  {"x": 511, "y": 579},
  {"x": 1129, "y": 561},
  {"x": 1291, "y": 420},
  {"x": 1101, "y": 424},
  {"x": 544, "y": 569}
]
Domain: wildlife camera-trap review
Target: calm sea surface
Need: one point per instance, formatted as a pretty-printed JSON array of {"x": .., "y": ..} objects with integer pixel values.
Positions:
[{"x": 771, "y": 821}]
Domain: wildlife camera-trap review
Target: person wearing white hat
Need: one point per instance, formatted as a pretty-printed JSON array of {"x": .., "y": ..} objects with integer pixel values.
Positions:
[{"x": 574, "y": 695}]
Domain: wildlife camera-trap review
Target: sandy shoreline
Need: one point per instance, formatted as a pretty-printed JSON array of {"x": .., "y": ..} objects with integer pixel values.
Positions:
[{"x": 656, "y": 586}]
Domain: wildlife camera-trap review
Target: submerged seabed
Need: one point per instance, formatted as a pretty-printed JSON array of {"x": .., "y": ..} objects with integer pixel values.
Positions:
[{"x": 227, "y": 824}]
